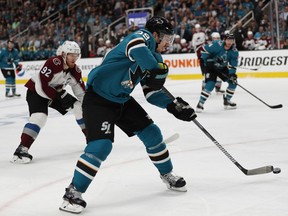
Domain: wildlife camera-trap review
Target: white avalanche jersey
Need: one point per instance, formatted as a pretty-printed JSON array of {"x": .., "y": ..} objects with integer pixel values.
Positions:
[
  {"x": 52, "y": 78},
  {"x": 249, "y": 44},
  {"x": 198, "y": 39}
]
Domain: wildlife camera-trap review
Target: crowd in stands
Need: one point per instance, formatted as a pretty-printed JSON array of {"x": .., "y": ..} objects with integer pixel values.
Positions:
[{"x": 83, "y": 23}]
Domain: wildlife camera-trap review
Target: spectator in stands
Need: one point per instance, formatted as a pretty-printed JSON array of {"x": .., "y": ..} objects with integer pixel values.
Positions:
[
  {"x": 41, "y": 54},
  {"x": 285, "y": 44},
  {"x": 101, "y": 50},
  {"x": 176, "y": 46},
  {"x": 248, "y": 5},
  {"x": 34, "y": 26},
  {"x": 249, "y": 42},
  {"x": 262, "y": 43},
  {"x": 184, "y": 32},
  {"x": 258, "y": 13},
  {"x": 240, "y": 34},
  {"x": 109, "y": 46},
  {"x": 185, "y": 48},
  {"x": 259, "y": 33}
]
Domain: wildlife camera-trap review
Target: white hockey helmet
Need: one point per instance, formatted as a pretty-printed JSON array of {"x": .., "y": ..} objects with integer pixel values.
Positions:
[
  {"x": 215, "y": 36},
  {"x": 59, "y": 50},
  {"x": 70, "y": 47}
]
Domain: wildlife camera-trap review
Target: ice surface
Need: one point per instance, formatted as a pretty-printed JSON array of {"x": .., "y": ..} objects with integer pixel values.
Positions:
[{"x": 129, "y": 185}]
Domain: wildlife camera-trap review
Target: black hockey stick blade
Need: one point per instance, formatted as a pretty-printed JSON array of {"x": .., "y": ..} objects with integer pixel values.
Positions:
[
  {"x": 276, "y": 106},
  {"x": 256, "y": 171}
]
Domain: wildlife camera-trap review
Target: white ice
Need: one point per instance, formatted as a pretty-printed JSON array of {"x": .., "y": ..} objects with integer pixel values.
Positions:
[{"x": 128, "y": 184}]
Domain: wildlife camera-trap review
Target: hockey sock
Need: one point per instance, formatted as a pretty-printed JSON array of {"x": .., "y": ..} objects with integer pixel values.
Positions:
[
  {"x": 158, "y": 153},
  {"x": 229, "y": 94},
  {"x": 13, "y": 85},
  {"x": 29, "y": 134},
  {"x": 8, "y": 84},
  {"x": 89, "y": 163},
  {"x": 230, "y": 90},
  {"x": 205, "y": 93}
]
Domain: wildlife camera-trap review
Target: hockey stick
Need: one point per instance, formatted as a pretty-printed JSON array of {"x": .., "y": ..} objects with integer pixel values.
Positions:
[
  {"x": 171, "y": 138},
  {"x": 246, "y": 68},
  {"x": 271, "y": 106},
  {"x": 166, "y": 141},
  {"x": 257, "y": 171}
]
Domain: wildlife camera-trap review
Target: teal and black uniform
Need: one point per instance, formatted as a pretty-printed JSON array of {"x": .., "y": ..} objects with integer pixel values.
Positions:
[
  {"x": 219, "y": 62},
  {"x": 9, "y": 61},
  {"x": 108, "y": 102}
]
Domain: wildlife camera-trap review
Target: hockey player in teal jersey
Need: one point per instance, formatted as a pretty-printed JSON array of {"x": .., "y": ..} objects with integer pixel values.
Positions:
[
  {"x": 220, "y": 60},
  {"x": 107, "y": 102},
  {"x": 9, "y": 61}
]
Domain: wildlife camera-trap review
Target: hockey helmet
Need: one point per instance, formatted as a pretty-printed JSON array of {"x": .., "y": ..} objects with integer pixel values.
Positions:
[
  {"x": 161, "y": 26},
  {"x": 229, "y": 36},
  {"x": 59, "y": 50},
  {"x": 215, "y": 36},
  {"x": 70, "y": 47}
]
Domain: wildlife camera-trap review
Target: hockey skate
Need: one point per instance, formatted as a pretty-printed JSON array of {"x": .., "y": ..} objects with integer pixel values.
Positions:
[
  {"x": 72, "y": 200},
  {"x": 16, "y": 94},
  {"x": 174, "y": 182},
  {"x": 199, "y": 108},
  {"x": 229, "y": 104},
  {"x": 7, "y": 95},
  {"x": 21, "y": 156}
]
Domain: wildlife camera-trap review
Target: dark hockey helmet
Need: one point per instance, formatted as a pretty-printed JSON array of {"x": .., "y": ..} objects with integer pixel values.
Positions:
[
  {"x": 229, "y": 36},
  {"x": 160, "y": 25}
]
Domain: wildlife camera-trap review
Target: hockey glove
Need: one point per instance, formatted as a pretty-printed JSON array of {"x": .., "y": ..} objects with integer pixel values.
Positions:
[
  {"x": 233, "y": 77},
  {"x": 156, "y": 78},
  {"x": 67, "y": 101},
  {"x": 216, "y": 64},
  {"x": 181, "y": 110}
]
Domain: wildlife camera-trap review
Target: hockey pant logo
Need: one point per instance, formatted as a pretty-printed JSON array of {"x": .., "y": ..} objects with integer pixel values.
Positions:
[{"x": 106, "y": 127}]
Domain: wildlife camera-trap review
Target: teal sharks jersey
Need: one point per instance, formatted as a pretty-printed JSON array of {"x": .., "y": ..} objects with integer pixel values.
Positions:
[
  {"x": 216, "y": 50},
  {"x": 125, "y": 66},
  {"x": 9, "y": 59}
]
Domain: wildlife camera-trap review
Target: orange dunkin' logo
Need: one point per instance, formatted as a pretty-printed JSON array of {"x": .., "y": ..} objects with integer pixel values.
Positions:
[{"x": 183, "y": 63}]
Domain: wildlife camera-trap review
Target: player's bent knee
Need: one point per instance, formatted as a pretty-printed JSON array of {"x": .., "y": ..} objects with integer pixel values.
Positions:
[
  {"x": 39, "y": 119},
  {"x": 150, "y": 135},
  {"x": 232, "y": 85},
  {"x": 99, "y": 148}
]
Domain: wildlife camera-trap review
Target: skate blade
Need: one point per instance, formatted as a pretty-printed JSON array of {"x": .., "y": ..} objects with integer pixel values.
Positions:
[
  {"x": 229, "y": 107},
  {"x": 17, "y": 160},
  {"x": 198, "y": 110},
  {"x": 72, "y": 208},
  {"x": 179, "y": 189}
]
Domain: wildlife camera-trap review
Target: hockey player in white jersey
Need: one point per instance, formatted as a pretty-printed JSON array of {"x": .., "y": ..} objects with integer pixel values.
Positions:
[
  {"x": 46, "y": 89},
  {"x": 108, "y": 103},
  {"x": 198, "y": 41}
]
